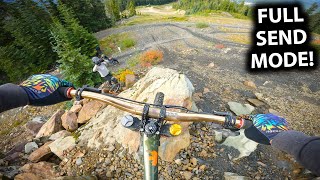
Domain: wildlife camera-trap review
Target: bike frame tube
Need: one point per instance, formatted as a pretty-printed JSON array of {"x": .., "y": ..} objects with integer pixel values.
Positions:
[
  {"x": 150, "y": 156},
  {"x": 154, "y": 112}
]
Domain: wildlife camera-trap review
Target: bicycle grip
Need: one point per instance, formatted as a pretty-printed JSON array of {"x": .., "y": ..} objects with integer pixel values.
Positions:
[
  {"x": 64, "y": 91},
  {"x": 246, "y": 124}
]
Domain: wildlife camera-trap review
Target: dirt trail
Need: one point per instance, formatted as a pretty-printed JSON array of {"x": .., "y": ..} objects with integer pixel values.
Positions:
[{"x": 294, "y": 94}]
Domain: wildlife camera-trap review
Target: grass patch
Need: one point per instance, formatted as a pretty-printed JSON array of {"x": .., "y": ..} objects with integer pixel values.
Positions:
[
  {"x": 68, "y": 105},
  {"x": 144, "y": 19},
  {"x": 110, "y": 44},
  {"x": 202, "y": 25},
  {"x": 239, "y": 38},
  {"x": 233, "y": 30},
  {"x": 134, "y": 61},
  {"x": 76, "y": 135}
]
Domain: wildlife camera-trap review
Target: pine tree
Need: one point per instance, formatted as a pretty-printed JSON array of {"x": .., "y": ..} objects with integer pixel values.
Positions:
[
  {"x": 131, "y": 8},
  {"x": 28, "y": 49},
  {"x": 75, "y": 46},
  {"x": 90, "y": 13},
  {"x": 113, "y": 9}
]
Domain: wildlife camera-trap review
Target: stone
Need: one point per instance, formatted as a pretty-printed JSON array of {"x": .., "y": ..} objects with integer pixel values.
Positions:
[
  {"x": 234, "y": 176},
  {"x": 187, "y": 175},
  {"x": 211, "y": 65},
  {"x": 14, "y": 153},
  {"x": 104, "y": 129},
  {"x": 218, "y": 136},
  {"x": 130, "y": 80},
  {"x": 259, "y": 96},
  {"x": 244, "y": 145},
  {"x": 178, "y": 161},
  {"x": 29, "y": 147},
  {"x": 206, "y": 90},
  {"x": 256, "y": 102},
  {"x": 41, "y": 154},
  {"x": 272, "y": 111},
  {"x": 250, "y": 84},
  {"x": 38, "y": 119},
  {"x": 69, "y": 121},
  {"x": 92, "y": 177},
  {"x": 76, "y": 108},
  {"x": 52, "y": 126},
  {"x": 62, "y": 145},
  {"x": 33, "y": 127},
  {"x": 44, "y": 170},
  {"x": 27, "y": 176},
  {"x": 79, "y": 161},
  {"x": 89, "y": 110},
  {"x": 194, "y": 161},
  {"x": 202, "y": 167},
  {"x": 60, "y": 134},
  {"x": 239, "y": 109}
]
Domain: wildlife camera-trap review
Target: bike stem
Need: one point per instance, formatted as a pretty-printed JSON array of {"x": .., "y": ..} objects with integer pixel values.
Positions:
[{"x": 151, "y": 140}]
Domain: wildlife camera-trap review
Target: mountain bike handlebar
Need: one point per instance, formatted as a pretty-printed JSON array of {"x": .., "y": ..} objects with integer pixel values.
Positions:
[{"x": 154, "y": 112}]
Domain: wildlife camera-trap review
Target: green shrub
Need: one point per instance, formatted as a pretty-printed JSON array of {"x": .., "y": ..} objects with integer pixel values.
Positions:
[
  {"x": 110, "y": 44},
  {"x": 202, "y": 25}
]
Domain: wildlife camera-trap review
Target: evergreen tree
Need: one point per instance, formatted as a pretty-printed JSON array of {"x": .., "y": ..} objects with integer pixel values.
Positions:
[
  {"x": 75, "y": 47},
  {"x": 113, "y": 9},
  {"x": 90, "y": 13},
  {"x": 26, "y": 49},
  {"x": 131, "y": 8}
]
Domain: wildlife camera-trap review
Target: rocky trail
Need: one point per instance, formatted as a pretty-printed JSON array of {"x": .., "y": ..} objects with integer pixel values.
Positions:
[{"x": 215, "y": 79}]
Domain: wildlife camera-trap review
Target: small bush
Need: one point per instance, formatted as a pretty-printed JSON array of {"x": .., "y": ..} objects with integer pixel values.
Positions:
[
  {"x": 133, "y": 62},
  {"x": 127, "y": 43},
  {"x": 122, "y": 73},
  {"x": 202, "y": 25},
  {"x": 151, "y": 57},
  {"x": 110, "y": 44}
]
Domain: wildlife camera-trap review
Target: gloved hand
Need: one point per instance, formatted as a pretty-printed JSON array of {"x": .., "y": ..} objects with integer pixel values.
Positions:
[
  {"x": 265, "y": 127},
  {"x": 46, "y": 89}
]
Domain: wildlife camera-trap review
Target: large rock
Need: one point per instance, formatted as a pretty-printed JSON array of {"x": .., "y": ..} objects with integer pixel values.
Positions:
[
  {"x": 62, "y": 145},
  {"x": 60, "y": 134},
  {"x": 239, "y": 109},
  {"x": 44, "y": 170},
  {"x": 234, "y": 176},
  {"x": 69, "y": 121},
  {"x": 76, "y": 108},
  {"x": 27, "y": 176},
  {"x": 15, "y": 152},
  {"x": 29, "y": 147},
  {"x": 41, "y": 154},
  {"x": 34, "y": 126},
  {"x": 89, "y": 110},
  {"x": 130, "y": 80},
  {"x": 53, "y": 125},
  {"x": 106, "y": 128},
  {"x": 244, "y": 145}
]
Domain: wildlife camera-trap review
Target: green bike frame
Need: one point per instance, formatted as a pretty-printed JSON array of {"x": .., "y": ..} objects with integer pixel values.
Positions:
[{"x": 150, "y": 156}]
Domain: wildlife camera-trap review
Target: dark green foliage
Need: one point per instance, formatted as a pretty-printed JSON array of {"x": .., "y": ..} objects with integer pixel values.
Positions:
[
  {"x": 75, "y": 47},
  {"x": 90, "y": 13},
  {"x": 25, "y": 47},
  {"x": 113, "y": 9},
  {"x": 131, "y": 8},
  {"x": 314, "y": 18},
  {"x": 153, "y": 2},
  {"x": 205, "y": 6}
]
